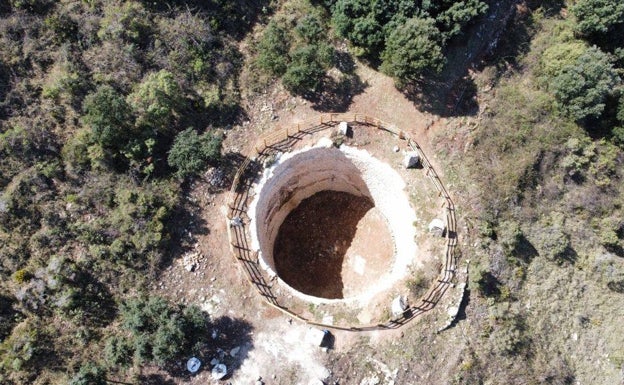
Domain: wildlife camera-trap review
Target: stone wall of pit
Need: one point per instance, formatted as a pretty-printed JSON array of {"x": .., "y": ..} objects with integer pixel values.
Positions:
[{"x": 299, "y": 175}]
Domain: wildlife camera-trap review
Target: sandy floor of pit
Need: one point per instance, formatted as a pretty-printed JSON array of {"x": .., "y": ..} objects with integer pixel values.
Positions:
[{"x": 332, "y": 245}]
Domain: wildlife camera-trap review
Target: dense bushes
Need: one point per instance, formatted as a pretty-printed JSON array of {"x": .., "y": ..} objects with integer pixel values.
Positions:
[
  {"x": 159, "y": 332},
  {"x": 379, "y": 31},
  {"x": 583, "y": 86},
  {"x": 297, "y": 52},
  {"x": 191, "y": 153},
  {"x": 411, "y": 49},
  {"x": 93, "y": 97}
]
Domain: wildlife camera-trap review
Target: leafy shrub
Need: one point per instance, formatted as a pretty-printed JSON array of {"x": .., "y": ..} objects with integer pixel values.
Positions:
[
  {"x": 89, "y": 374},
  {"x": 307, "y": 68},
  {"x": 412, "y": 49},
  {"x": 597, "y": 16},
  {"x": 191, "y": 153},
  {"x": 582, "y": 88},
  {"x": 109, "y": 116},
  {"x": 159, "y": 331},
  {"x": 273, "y": 49},
  {"x": 128, "y": 21},
  {"x": 157, "y": 102}
]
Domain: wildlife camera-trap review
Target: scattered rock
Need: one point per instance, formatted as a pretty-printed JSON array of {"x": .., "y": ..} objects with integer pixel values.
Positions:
[
  {"x": 437, "y": 227},
  {"x": 219, "y": 371},
  {"x": 399, "y": 305},
  {"x": 411, "y": 160},
  {"x": 236, "y": 222},
  {"x": 344, "y": 129},
  {"x": 395, "y": 149},
  {"x": 234, "y": 351},
  {"x": 193, "y": 364},
  {"x": 191, "y": 261}
]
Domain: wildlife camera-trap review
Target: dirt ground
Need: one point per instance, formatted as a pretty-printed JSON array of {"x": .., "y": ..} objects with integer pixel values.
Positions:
[{"x": 275, "y": 347}]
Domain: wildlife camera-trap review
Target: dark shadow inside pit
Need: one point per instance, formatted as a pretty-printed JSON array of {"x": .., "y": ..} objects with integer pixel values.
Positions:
[{"x": 313, "y": 239}]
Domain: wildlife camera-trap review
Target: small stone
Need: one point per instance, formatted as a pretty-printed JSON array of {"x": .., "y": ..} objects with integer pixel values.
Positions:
[
  {"x": 219, "y": 371},
  {"x": 395, "y": 149},
  {"x": 411, "y": 160},
  {"x": 437, "y": 227},
  {"x": 234, "y": 351}
]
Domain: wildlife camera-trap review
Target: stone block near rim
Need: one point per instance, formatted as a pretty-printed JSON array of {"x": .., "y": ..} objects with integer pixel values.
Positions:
[
  {"x": 344, "y": 129},
  {"x": 437, "y": 227},
  {"x": 411, "y": 160}
]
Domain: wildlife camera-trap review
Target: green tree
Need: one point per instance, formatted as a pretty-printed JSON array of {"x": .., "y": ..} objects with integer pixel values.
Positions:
[
  {"x": 158, "y": 102},
  {"x": 89, "y": 374},
  {"x": 582, "y": 88},
  {"x": 453, "y": 19},
  {"x": 413, "y": 49},
  {"x": 191, "y": 153},
  {"x": 159, "y": 331},
  {"x": 598, "y": 16},
  {"x": 273, "y": 49},
  {"x": 310, "y": 29},
  {"x": 309, "y": 65},
  {"x": 109, "y": 116},
  {"x": 361, "y": 23}
]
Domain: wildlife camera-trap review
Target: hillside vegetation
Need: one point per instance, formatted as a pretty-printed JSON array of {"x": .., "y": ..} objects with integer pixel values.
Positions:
[{"x": 109, "y": 109}]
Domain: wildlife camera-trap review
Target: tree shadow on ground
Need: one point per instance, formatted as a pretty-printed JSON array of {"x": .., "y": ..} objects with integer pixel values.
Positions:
[
  {"x": 230, "y": 344},
  {"x": 337, "y": 95},
  {"x": 525, "y": 250},
  {"x": 155, "y": 379},
  {"x": 336, "y": 92},
  {"x": 227, "y": 340},
  {"x": 185, "y": 225}
]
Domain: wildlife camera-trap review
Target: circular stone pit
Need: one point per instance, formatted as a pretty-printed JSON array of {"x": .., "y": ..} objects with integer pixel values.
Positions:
[{"x": 333, "y": 224}]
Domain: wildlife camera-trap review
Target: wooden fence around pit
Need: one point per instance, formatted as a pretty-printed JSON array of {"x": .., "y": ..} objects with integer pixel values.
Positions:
[{"x": 282, "y": 140}]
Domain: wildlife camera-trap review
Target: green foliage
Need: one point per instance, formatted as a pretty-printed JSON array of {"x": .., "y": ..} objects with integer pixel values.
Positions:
[
  {"x": 109, "y": 116},
  {"x": 310, "y": 29},
  {"x": 458, "y": 15},
  {"x": 597, "y": 16},
  {"x": 594, "y": 160},
  {"x": 559, "y": 56},
  {"x": 510, "y": 236},
  {"x": 552, "y": 240},
  {"x": 157, "y": 102},
  {"x": 89, "y": 374},
  {"x": 273, "y": 49},
  {"x": 362, "y": 23},
  {"x": 32, "y": 5},
  {"x": 582, "y": 88},
  {"x": 412, "y": 49},
  {"x": 128, "y": 21},
  {"x": 308, "y": 66},
  {"x": 376, "y": 28},
  {"x": 159, "y": 331},
  {"x": 191, "y": 153},
  {"x": 118, "y": 352}
]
